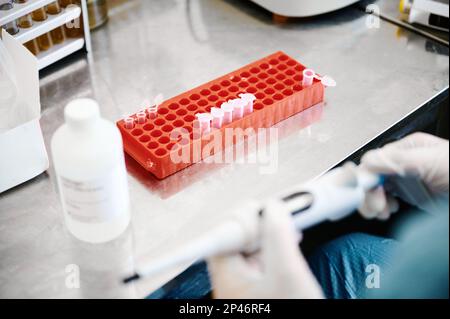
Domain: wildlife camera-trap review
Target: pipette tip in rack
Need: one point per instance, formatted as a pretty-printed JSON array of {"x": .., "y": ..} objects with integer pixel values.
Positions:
[{"x": 129, "y": 123}]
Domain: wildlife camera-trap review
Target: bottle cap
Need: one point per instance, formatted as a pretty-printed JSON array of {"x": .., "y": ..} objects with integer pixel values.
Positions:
[{"x": 81, "y": 112}]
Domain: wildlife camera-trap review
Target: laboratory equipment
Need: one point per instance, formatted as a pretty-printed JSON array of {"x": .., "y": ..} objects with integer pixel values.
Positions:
[
  {"x": 308, "y": 77},
  {"x": 227, "y": 109},
  {"x": 91, "y": 175},
  {"x": 204, "y": 120},
  {"x": 238, "y": 108},
  {"x": 429, "y": 13},
  {"x": 303, "y": 8},
  {"x": 331, "y": 197},
  {"x": 274, "y": 80},
  {"x": 249, "y": 99},
  {"x": 98, "y": 13},
  {"x": 49, "y": 21},
  {"x": 217, "y": 117}
]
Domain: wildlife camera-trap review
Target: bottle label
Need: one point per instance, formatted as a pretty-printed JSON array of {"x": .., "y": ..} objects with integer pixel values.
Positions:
[{"x": 98, "y": 200}]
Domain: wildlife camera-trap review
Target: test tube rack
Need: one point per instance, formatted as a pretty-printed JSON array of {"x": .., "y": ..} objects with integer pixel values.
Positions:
[
  {"x": 58, "y": 51},
  {"x": 276, "y": 82}
]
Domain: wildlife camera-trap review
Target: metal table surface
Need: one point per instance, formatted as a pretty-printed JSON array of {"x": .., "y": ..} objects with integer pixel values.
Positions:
[{"x": 170, "y": 46}]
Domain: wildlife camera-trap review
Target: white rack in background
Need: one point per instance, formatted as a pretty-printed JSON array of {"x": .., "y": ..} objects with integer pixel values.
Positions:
[{"x": 58, "y": 51}]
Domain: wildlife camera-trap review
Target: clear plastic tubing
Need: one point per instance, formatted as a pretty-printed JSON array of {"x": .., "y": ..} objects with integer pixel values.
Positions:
[
  {"x": 248, "y": 98},
  {"x": 129, "y": 123},
  {"x": 227, "y": 109},
  {"x": 308, "y": 77},
  {"x": 204, "y": 120},
  {"x": 217, "y": 117},
  {"x": 238, "y": 108}
]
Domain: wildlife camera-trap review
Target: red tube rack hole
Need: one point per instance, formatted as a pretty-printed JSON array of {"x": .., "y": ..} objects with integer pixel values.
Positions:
[
  {"x": 161, "y": 152},
  {"x": 233, "y": 89},
  {"x": 297, "y": 87},
  {"x": 189, "y": 118},
  {"x": 202, "y": 103},
  {"x": 160, "y": 122},
  {"x": 253, "y": 80},
  {"x": 148, "y": 127},
  {"x": 243, "y": 84},
  {"x": 192, "y": 108},
  {"x": 279, "y": 87},
  {"x": 252, "y": 90},
  {"x": 171, "y": 117},
  {"x": 263, "y": 76},
  {"x": 144, "y": 139},
  {"x": 215, "y": 87},
  {"x": 163, "y": 111},
  {"x": 152, "y": 145},
  {"x": 298, "y": 78},
  {"x": 179, "y": 123},
  {"x": 271, "y": 81},
  {"x": 261, "y": 85},
  {"x": 268, "y": 101},
  {"x": 269, "y": 91},
  {"x": 223, "y": 93},
  {"x": 291, "y": 63},
  {"x": 272, "y": 71},
  {"x": 282, "y": 67},
  {"x": 289, "y": 82},
  {"x": 280, "y": 77},
  {"x": 205, "y": 92},
  {"x": 283, "y": 57},
  {"x": 258, "y": 106},
  {"x": 245, "y": 74},
  {"x": 137, "y": 132},
  {"x": 260, "y": 95},
  {"x": 195, "y": 97},
  {"x": 164, "y": 140},
  {"x": 170, "y": 146},
  {"x": 213, "y": 98},
  {"x": 156, "y": 133},
  {"x": 288, "y": 92},
  {"x": 174, "y": 106},
  {"x": 255, "y": 70},
  {"x": 184, "y": 101},
  {"x": 278, "y": 97},
  {"x": 299, "y": 68},
  {"x": 225, "y": 83},
  {"x": 167, "y": 128},
  {"x": 290, "y": 72},
  {"x": 274, "y": 61},
  {"x": 235, "y": 79},
  {"x": 181, "y": 112},
  {"x": 264, "y": 66}
]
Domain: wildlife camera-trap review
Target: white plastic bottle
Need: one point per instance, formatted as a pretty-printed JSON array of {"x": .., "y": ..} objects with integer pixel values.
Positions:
[{"x": 90, "y": 168}]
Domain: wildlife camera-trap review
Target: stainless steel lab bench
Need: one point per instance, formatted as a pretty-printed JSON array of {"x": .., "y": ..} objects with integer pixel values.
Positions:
[{"x": 384, "y": 76}]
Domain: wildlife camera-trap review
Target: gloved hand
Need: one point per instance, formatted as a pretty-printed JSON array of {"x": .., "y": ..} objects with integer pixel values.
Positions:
[
  {"x": 420, "y": 155},
  {"x": 278, "y": 271}
]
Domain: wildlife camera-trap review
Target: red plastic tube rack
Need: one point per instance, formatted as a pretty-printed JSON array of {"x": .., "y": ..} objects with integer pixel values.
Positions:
[{"x": 276, "y": 81}]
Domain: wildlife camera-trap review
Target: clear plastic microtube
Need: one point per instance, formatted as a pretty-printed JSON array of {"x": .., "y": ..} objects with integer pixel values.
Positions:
[
  {"x": 227, "y": 109},
  {"x": 141, "y": 117},
  {"x": 217, "y": 117},
  {"x": 152, "y": 111},
  {"x": 248, "y": 98},
  {"x": 238, "y": 108},
  {"x": 204, "y": 120},
  {"x": 129, "y": 123},
  {"x": 308, "y": 77}
]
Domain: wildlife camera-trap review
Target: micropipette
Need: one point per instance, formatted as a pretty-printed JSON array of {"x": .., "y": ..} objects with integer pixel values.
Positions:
[{"x": 331, "y": 197}]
